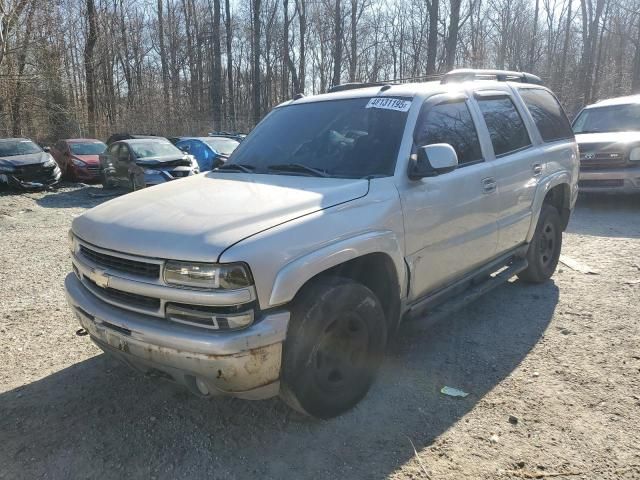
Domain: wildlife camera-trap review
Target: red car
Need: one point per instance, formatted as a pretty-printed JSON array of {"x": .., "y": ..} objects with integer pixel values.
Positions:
[{"x": 78, "y": 158}]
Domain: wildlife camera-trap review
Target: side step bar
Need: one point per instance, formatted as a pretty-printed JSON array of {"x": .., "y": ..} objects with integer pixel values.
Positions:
[{"x": 430, "y": 314}]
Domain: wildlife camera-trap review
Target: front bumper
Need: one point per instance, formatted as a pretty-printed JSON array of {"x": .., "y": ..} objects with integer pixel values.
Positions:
[
  {"x": 611, "y": 180},
  {"x": 32, "y": 182},
  {"x": 243, "y": 364},
  {"x": 86, "y": 174}
]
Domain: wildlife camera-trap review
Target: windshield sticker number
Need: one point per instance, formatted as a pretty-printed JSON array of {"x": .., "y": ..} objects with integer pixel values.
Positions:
[{"x": 387, "y": 103}]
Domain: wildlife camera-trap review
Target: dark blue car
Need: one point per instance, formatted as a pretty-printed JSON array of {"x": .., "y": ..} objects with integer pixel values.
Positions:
[{"x": 210, "y": 152}]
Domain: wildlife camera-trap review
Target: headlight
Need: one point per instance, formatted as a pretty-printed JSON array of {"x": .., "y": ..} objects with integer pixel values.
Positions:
[
  {"x": 50, "y": 163},
  {"x": 78, "y": 163},
  {"x": 228, "y": 276},
  {"x": 634, "y": 156}
]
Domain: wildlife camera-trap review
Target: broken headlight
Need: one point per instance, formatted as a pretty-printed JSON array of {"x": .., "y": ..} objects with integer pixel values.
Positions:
[{"x": 229, "y": 276}]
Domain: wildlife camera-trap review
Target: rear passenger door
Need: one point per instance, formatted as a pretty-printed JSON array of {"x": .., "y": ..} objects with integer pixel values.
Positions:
[
  {"x": 517, "y": 160},
  {"x": 450, "y": 222}
]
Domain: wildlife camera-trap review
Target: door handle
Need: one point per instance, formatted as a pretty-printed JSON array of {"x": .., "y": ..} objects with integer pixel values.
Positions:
[
  {"x": 537, "y": 169},
  {"x": 489, "y": 185}
]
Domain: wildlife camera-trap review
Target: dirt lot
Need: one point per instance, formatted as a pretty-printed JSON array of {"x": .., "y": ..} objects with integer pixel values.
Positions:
[{"x": 563, "y": 359}]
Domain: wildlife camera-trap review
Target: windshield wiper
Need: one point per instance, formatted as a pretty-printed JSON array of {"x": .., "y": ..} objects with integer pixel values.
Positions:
[
  {"x": 298, "y": 168},
  {"x": 237, "y": 167}
]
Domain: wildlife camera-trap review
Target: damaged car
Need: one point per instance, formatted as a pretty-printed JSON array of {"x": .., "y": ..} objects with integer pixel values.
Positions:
[
  {"x": 140, "y": 163},
  {"x": 26, "y": 166}
]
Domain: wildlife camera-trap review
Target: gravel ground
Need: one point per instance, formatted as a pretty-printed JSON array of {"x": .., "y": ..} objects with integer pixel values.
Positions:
[{"x": 553, "y": 373}]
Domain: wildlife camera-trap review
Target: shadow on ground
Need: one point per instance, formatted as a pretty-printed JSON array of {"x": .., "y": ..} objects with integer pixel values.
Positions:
[
  {"x": 606, "y": 216},
  {"x": 81, "y": 196},
  {"x": 99, "y": 419}
]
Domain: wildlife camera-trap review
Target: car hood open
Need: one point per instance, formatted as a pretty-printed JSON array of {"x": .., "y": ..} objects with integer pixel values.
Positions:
[
  {"x": 20, "y": 160},
  {"x": 197, "y": 218}
]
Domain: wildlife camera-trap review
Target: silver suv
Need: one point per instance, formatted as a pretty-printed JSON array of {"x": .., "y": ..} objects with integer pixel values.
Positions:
[
  {"x": 608, "y": 134},
  {"x": 285, "y": 271}
]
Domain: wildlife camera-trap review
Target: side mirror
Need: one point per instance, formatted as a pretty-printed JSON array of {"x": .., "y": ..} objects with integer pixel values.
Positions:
[
  {"x": 433, "y": 160},
  {"x": 46, "y": 149}
]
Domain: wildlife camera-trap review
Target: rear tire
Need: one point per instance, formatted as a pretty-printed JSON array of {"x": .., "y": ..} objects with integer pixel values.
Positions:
[
  {"x": 544, "y": 249},
  {"x": 335, "y": 343}
]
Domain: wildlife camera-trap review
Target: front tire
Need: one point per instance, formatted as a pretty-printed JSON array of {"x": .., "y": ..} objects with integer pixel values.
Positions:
[
  {"x": 335, "y": 344},
  {"x": 106, "y": 183},
  {"x": 544, "y": 250}
]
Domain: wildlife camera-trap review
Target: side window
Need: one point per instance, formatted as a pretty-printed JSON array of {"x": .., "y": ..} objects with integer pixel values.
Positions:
[
  {"x": 113, "y": 149},
  {"x": 123, "y": 153},
  {"x": 450, "y": 123},
  {"x": 547, "y": 114},
  {"x": 505, "y": 125}
]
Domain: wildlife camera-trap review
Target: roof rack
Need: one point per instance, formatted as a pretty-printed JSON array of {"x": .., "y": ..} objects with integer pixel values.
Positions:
[
  {"x": 467, "y": 74},
  {"x": 355, "y": 85}
]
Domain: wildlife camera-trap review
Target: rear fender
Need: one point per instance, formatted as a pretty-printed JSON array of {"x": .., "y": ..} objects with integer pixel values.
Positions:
[{"x": 543, "y": 188}]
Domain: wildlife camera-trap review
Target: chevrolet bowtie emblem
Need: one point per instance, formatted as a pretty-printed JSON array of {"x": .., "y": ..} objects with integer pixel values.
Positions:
[{"x": 101, "y": 278}]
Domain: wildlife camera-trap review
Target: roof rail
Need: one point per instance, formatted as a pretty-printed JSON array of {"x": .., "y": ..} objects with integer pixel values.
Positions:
[
  {"x": 355, "y": 85},
  {"x": 467, "y": 74}
]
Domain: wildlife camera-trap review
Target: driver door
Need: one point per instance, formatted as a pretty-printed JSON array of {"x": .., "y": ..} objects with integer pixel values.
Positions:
[{"x": 450, "y": 219}]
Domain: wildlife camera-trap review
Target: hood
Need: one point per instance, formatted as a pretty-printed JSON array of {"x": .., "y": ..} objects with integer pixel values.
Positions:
[
  {"x": 88, "y": 159},
  {"x": 607, "y": 138},
  {"x": 197, "y": 218},
  {"x": 20, "y": 160}
]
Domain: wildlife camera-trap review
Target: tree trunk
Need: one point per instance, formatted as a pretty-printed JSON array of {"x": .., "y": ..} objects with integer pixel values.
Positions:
[
  {"x": 163, "y": 58},
  {"x": 534, "y": 37},
  {"x": 231, "y": 98},
  {"x": 353, "y": 58},
  {"x": 89, "y": 66},
  {"x": 256, "y": 61},
  {"x": 337, "y": 43},
  {"x": 302, "y": 23},
  {"x": 432, "y": 38},
  {"x": 216, "y": 77},
  {"x": 452, "y": 37}
]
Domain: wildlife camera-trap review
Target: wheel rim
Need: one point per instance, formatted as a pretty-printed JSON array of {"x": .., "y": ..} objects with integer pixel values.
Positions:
[
  {"x": 341, "y": 356},
  {"x": 547, "y": 243}
]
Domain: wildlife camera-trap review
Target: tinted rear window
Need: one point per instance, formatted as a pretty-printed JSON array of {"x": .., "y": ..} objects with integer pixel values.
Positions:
[
  {"x": 505, "y": 125},
  {"x": 450, "y": 123},
  {"x": 547, "y": 114}
]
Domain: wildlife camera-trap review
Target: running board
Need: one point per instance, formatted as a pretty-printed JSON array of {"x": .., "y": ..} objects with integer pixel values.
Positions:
[{"x": 430, "y": 316}]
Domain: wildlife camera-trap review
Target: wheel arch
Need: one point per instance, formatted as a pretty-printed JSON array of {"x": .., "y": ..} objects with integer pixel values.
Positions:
[
  {"x": 373, "y": 259},
  {"x": 556, "y": 191}
]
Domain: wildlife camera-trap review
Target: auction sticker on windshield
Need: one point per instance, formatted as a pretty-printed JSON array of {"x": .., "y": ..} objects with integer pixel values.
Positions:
[{"x": 387, "y": 103}]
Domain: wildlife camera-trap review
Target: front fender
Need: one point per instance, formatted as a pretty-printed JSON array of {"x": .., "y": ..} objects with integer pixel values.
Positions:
[
  {"x": 299, "y": 271},
  {"x": 542, "y": 189}
]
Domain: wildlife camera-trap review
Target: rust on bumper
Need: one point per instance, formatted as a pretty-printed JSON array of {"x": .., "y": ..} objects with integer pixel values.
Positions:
[{"x": 244, "y": 364}]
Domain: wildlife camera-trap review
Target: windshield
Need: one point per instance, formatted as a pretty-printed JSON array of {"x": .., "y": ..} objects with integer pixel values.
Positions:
[
  {"x": 351, "y": 138},
  {"x": 10, "y": 148},
  {"x": 616, "y": 118},
  {"x": 92, "y": 148},
  {"x": 154, "y": 149},
  {"x": 224, "y": 146}
]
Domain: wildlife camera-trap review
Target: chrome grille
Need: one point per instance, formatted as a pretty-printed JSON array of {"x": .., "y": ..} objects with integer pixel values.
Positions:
[
  {"x": 602, "y": 160},
  {"x": 134, "y": 267},
  {"x": 125, "y": 297}
]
